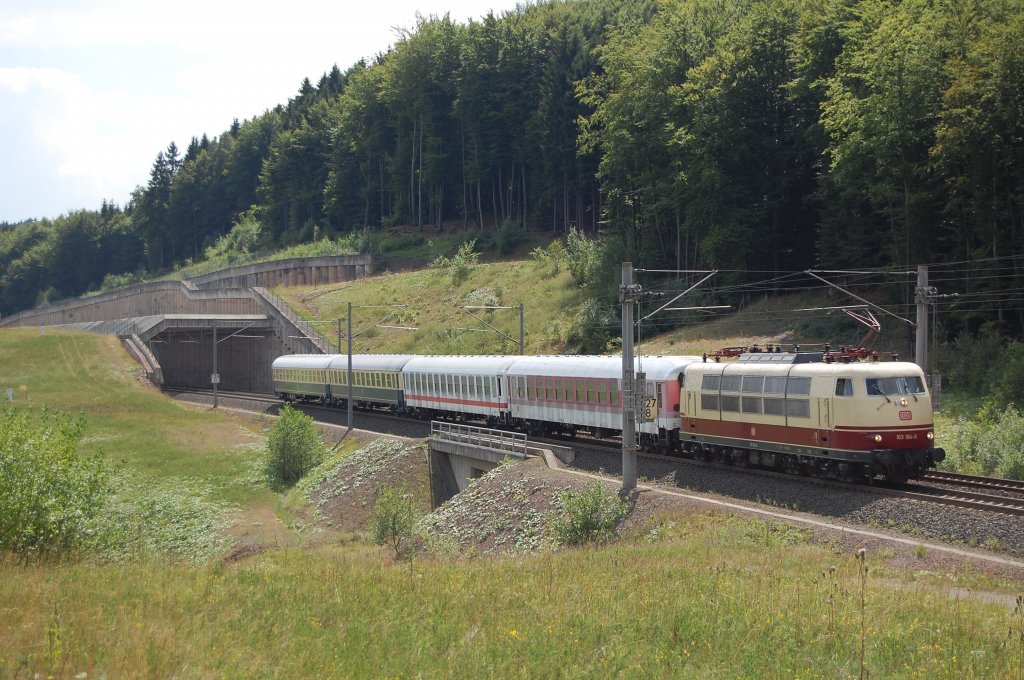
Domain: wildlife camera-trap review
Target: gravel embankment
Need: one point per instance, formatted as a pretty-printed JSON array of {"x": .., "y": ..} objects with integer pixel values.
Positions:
[{"x": 960, "y": 526}]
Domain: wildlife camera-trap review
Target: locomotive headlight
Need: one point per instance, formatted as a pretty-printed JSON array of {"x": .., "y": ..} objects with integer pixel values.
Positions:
[
  {"x": 904, "y": 402},
  {"x": 930, "y": 436},
  {"x": 878, "y": 439}
]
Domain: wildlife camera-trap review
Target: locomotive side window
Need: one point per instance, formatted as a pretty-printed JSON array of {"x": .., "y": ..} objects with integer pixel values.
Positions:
[
  {"x": 710, "y": 382},
  {"x": 751, "y": 404},
  {"x": 753, "y": 383},
  {"x": 774, "y": 385},
  {"x": 731, "y": 383},
  {"x": 774, "y": 406},
  {"x": 799, "y": 386},
  {"x": 844, "y": 387},
  {"x": 730, "y": 403},
  {"x": 709, "y": 402},
  {"x": 798, "y": 408}
]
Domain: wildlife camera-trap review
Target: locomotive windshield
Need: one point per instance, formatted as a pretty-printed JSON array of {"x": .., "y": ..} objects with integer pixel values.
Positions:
[{"x": 889, "y": 387}]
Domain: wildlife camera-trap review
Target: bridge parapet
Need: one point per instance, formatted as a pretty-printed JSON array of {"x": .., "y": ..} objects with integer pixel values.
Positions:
[{"x": 461, "y": 453}]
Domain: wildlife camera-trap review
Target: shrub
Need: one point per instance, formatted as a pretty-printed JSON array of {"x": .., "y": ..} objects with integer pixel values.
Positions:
[
  {"x": 243, "y": 239},
  {"x": 593, "y": 327},
  {"x": 992, "y": 445},
  {"x": 49, "y": 495},
  {"x": 461, "y": 264},
  {"x": 589, "y": 515},
  {"x": 295, "y": 447},
  {"x": 394, "y": 519},
  {"x": 584, "y": 257}
]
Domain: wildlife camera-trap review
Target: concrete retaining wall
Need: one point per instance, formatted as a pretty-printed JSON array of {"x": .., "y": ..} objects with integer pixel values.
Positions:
[
  {"x": 147, "y": 299},
  {"x": 299, "y": 271},
  {"x": 223, "y": 292}
]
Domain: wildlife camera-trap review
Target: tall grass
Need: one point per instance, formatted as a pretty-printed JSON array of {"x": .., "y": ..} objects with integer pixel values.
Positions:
[
  {"x": 179, "y": 471},
  {"x": 713, "y": 597}
]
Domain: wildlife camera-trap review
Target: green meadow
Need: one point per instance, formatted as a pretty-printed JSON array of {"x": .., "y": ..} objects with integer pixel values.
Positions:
[{"x": 690, "y": 594}]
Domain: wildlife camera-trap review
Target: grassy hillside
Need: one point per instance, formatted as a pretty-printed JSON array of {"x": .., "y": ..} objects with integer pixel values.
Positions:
[
  {"x": 155, "y": 438},
  {"x": 428, "y": 305},
  {"x": 697, "y": 596},
  {"x": 684, "y": 594}
]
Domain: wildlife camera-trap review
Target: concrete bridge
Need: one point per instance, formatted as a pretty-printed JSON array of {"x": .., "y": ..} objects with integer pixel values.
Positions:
[
  {"x": 461, "y": 453},
  {"x": 169, "y": 326}
]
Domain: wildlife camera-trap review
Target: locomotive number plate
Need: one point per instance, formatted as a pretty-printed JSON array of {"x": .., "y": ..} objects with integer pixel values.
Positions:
[{"x": 906, "y": 415}]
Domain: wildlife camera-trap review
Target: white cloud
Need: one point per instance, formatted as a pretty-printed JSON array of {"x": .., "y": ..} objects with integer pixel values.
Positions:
[{"x": 101, "y": 86}]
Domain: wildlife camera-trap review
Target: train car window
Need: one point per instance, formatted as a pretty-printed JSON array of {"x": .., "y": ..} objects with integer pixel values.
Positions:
[
  {"x": 751, "y": 404},
  {"x": 914, "y": 384},
  {"x": 886, "y": 386},
  {"x": 602, "y": 393},
  {"x": 844, "y": 387},
  {"x": 799, "y": 386},
  {"x": 798, "y": 408},
  {"x": 580, "y": 391},
  {"x": 709, "y": 402},
  {"x": 774, "y": 385},
  {"x": 566, "y": 389},
  {"x": 774, "y": 406},
  {"x": 710, "y": 382},
  {"x": 591, "y": 392},
  {"x": 730, "y": 403},
  {"x": 613, "y": 395},
  {"x": 549, "y": 388},
  {"x": 731, "y": 383},
  {"x": 754, "y": 384}
]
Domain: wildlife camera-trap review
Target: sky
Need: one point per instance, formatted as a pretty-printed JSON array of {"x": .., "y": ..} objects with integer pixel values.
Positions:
[{"x": 92, "y": 90}]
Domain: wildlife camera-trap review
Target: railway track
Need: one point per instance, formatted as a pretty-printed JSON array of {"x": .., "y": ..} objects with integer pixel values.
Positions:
[
  {"x": 932, "y": 488},
  {"x": 987, "y": 483},
  {"x": 921, "y": 492}
]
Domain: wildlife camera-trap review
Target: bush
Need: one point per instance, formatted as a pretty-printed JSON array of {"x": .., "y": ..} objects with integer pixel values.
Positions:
[
  {"x": 295, "y": 447},
  {"x": 461, "y": 264},
  {"x": 49, "y": 495},
  {"x": 992, "y": 445},
  {"x": 394, "y": 519},
  {"x": 589, "y": 515},
  {"x": 585, "y": 256},
  {"x": 594, "y": 327},
  {"x": 243, "y": 239}
]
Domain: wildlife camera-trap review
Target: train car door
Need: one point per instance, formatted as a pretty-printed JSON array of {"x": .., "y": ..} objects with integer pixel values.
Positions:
[
  {"x": 825, "y": 413},
  {"x": 690, "y": 411}
]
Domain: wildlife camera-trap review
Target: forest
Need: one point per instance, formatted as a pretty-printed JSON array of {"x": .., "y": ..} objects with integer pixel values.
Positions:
[{"x": 760, "y": 138}]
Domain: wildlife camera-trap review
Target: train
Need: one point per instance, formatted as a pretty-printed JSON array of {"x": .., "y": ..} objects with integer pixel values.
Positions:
[{"x": 797, "y": 412}]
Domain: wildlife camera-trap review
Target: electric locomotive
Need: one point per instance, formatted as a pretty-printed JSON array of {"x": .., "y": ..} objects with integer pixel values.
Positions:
[{"x": 850, "y": 421}]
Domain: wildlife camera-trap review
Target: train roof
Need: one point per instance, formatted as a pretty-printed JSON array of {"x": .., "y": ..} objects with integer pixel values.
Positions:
[
  {"x": 459, "y": 365},
  {"x": 879, "y": 369},
  {"x": 307, "y": 361},
  {"x": 371, "y": 362},
  {"x": 656, "y": 368}
]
